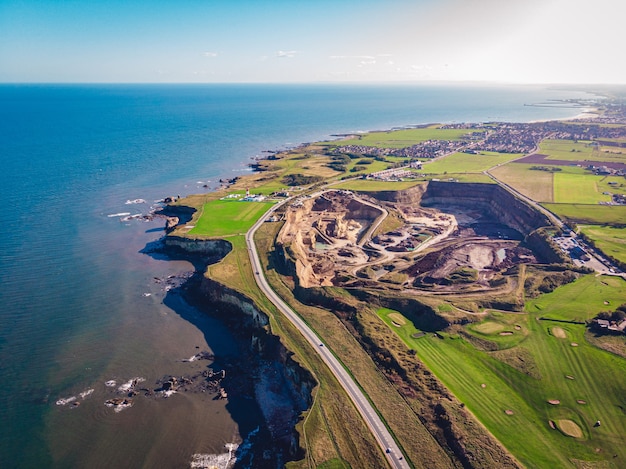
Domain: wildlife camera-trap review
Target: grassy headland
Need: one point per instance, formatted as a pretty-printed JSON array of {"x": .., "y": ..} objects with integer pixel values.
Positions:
[{"x": 488, "y": 373}]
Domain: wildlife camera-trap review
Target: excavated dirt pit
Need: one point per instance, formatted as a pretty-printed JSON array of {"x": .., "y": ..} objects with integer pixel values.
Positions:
[{"x": 330, "y": 236}]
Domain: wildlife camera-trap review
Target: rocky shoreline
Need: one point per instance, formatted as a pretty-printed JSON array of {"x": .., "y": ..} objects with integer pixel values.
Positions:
[{"x": 265, "y": 372}]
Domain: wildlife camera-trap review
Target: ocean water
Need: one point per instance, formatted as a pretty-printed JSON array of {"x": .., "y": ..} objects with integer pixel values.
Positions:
[{"x": 79, "y": 303}]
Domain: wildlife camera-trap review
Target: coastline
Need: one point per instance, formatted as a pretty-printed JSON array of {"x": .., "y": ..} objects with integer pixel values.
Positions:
[
  {"x": 247, "y": 181},
  {"x": 66, "y": 319}
]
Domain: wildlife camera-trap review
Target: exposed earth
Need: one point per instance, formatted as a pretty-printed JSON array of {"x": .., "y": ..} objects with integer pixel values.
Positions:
[{"x": 340, "y": 238}]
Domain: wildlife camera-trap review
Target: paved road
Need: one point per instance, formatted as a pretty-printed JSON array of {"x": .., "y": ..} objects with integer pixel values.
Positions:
[{"x": 367, "y": 411}]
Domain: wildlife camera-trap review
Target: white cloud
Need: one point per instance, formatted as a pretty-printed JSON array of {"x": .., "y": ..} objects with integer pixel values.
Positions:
[
  {"x": 286, "y": 53},
  {"x": 210, "y": 54},
  {"x": 363, "y": 57}
]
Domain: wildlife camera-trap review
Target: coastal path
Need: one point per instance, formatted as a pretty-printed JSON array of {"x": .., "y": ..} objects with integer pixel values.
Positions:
[{"x": 382, "y": 435}]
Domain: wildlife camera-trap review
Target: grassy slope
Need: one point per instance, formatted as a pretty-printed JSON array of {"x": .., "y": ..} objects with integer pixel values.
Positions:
[{"x": 598, "y": 378}]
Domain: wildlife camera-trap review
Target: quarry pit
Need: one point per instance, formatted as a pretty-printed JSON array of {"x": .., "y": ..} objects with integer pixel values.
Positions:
[{"x": 340, "y": 238}]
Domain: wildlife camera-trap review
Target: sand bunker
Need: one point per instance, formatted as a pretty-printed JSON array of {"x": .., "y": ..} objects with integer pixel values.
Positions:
[
  {"x": 558, "y": 332},
  {"x": 506, "y": 333},
  {"x": 554, "y": 401},
  {"x": 509, "y": 412},
  {"x": 581, "y": 402},
  {"x": 569, "y": 428},
  {"x": 574, "y": 344},
  {"x": 398, "y": 319}
]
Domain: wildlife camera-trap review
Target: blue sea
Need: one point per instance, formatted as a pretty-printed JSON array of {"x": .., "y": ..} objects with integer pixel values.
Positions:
[{"x": 81, "y": 308}]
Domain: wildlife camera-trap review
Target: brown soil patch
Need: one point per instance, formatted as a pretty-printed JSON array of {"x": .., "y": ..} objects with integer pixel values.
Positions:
[
  {"x": 538, "y": 158},
  {"x": 554, "y": 401}
]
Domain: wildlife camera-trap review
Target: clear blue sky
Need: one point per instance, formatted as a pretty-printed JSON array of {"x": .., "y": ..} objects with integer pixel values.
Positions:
[{"x": 522, "y": 41}]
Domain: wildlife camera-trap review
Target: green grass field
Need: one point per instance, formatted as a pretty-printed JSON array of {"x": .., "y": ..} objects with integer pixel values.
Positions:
[
  {"x": 611, "y": 240},
  {"x": 228, "y": 217},
  {"x": 513, "y": 404},
  {"x": 589, "y": 214},
  {"x": 367, "y": 185},
  {"x": 572, "y": 188},
  {"x": 569, "y": 150},
  {"x": 537, "y": 185},
  {"x": 466, "y": 163},
  {"x": 571, "y": 185},
  {"x": 402, "y": 138}
]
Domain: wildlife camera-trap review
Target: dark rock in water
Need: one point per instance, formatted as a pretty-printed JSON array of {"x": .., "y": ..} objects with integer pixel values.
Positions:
[
  {"x": 171, "y": 223},
  {"x": 170, "y": 384},
  {"x": 117, "y": 401}
]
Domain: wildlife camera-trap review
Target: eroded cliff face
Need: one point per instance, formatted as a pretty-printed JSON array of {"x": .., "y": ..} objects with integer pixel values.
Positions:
[
  {"x": 501, "y": 204},
  {"x": 412, "y": 195},
  {"x": 204, "y": 247},
  {"x": 281, "y": 387},
  {"x": 333, "y": 221}
]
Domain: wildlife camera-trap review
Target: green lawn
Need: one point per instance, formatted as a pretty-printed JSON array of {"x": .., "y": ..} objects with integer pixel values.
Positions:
[
  {"x": 611, "y": 240},
  {"x": 228, "y": 217},
  {"x": 490, "y": 383}
]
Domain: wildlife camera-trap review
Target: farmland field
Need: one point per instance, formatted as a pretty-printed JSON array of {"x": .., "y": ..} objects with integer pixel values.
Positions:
[
  {"x": 568, "y": 150},
  {"x": 537, "y": 185},
  {"x": 578, "y": 189},
  {"x": 509, "y": 389},
  {"x": 467, "y": 163}
]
